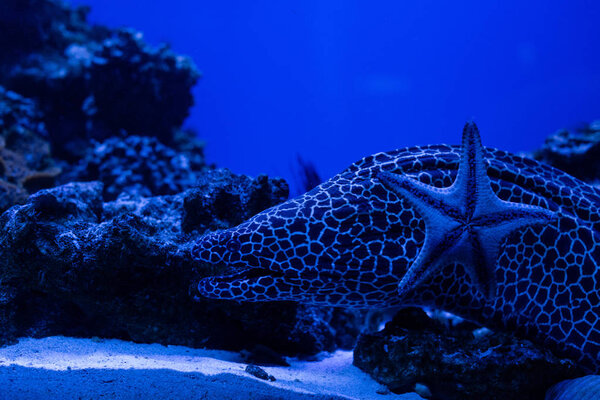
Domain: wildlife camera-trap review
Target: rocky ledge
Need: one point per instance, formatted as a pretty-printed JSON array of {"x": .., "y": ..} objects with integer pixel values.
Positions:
[{"x": 445, "y": 358}]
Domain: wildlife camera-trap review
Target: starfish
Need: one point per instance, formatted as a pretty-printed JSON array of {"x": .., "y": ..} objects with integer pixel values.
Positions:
[{"x": 465, "y": 222}]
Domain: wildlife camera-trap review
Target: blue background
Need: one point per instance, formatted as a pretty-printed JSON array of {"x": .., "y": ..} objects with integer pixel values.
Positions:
[{"x": 337, "y": 80}]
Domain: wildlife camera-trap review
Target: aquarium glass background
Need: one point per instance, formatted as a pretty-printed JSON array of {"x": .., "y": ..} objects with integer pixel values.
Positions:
[{"x": 333, "y": 81}]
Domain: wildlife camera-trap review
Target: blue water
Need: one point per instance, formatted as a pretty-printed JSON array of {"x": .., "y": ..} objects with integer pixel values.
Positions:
[{"x": 337, "y": 80}]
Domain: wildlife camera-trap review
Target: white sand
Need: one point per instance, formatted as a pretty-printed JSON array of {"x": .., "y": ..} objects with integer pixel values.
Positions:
[{"x": 69, "y": 368}]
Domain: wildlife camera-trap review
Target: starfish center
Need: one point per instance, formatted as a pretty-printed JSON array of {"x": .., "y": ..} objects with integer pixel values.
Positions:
[{"x": 464, "y": 223}]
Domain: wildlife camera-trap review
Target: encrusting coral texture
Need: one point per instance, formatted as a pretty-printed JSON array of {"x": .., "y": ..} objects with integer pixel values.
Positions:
[
  {"x": 75, "y": 265},
  {"x": 25, "y": 162},
  {"x": 92, "y": 82},
  {"x": 576, "y": 152}
]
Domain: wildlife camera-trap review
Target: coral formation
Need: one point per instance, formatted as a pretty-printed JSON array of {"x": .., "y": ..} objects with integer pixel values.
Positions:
[
  {"x": 75, "y": 265},
  {"x": 137, "y": 166},
  {"x": 457, "y": 360},
  {"x": 25, "y": 162},
  {"x": 92, "y": 82},
  {"x": 109, "y": 256},
  {"x": 231, "y": 199},
  {"x": 576, "y": 152}
]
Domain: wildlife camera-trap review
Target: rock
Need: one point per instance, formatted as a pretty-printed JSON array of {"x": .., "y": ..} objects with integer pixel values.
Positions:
[
  {"x": 41, "y": 25},
  {"x": 108, "y": 256},
  {"x": 72, "y": 264},
  {"x": 92, "y": 82},
  {"x": 259, "y": 373},
  {"x": 231, "y": 199},
  {"x": 137, "y": 166},
  {"x": 585, "y": 388},
  {"x": 575, "y": 152},
  {"x": 422, "y": 390},
  {"x": 25, "y": 162},
  {"x": 414, "y": 349}
]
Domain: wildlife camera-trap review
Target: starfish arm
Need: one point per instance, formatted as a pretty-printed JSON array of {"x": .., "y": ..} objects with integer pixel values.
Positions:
[
  {"x": 496, "y": 230},
  {"x": 437, "y": 244},
  {"x": 480, "y": 269},
  {"x": 471, "y": 181},
  {"x": 464, "y": 223},
  {"x": 425, "y": 198},
  {"x": 515, "y": 214}
]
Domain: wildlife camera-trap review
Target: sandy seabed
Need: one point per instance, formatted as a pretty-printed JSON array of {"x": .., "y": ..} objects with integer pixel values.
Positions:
[{"x": 69, "y": 368}]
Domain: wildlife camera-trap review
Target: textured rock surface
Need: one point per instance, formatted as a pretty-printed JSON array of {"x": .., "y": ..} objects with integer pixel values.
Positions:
[
  {"x": 138, "y": 166},
  {"x": 92, "y": 82},
  {"x": 576, "y": 152},
  {"x": 71, "y": 264},
  {"x": 41, "y": 25},
  {"x": 455, "y": 363},
  {"x": 231, "y": 199},
  {"x": 110, "y": 257},
  {"x": 25, "y": 162}
]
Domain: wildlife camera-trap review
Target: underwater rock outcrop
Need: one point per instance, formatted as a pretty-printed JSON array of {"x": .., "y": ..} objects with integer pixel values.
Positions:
[
  {"x": 109, "y": 256},
  {"x": 92, "y": 82},
  {"x": 576, "y": 152},
  {"x": 458, "y": 360},
  {"x": 72, "y": 264},
  {"x": 25, "y": 162},
  {"x": 231, "y": 199},
  {"x": 138, "y": 166}
]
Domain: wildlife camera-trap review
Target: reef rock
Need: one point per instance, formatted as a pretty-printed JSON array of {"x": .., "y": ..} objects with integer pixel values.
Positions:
[
  {"x": 138, "y": 166},
  {"x": 575, "y": 152},
  {"x": 25, "y": 162},
  {"x": 107, "y": 253},
  {"x": 91, "y": 82},
  {"x": 41, "y": 25},
  {"x": 72, "y": 264},
  {"x": 231, "y": 200},
  {"x": 457, "y": 360}
]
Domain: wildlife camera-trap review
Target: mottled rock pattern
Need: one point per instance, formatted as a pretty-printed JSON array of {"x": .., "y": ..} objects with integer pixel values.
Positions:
[
  {"x": 138, "y": 166},
  {"x": 259, "y": 373},
  {"x": 92, "y": 82},
  {"x": 25, "y": 162},
  {"x": 576, "y": 152},
  {"x": 454, "y": 363},
  {"x": 72, "y": 264},
  {"x": 231, "y": 199}
]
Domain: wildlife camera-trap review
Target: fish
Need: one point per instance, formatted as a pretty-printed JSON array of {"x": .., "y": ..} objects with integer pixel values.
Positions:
[{"x": 493, "y": 237}]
